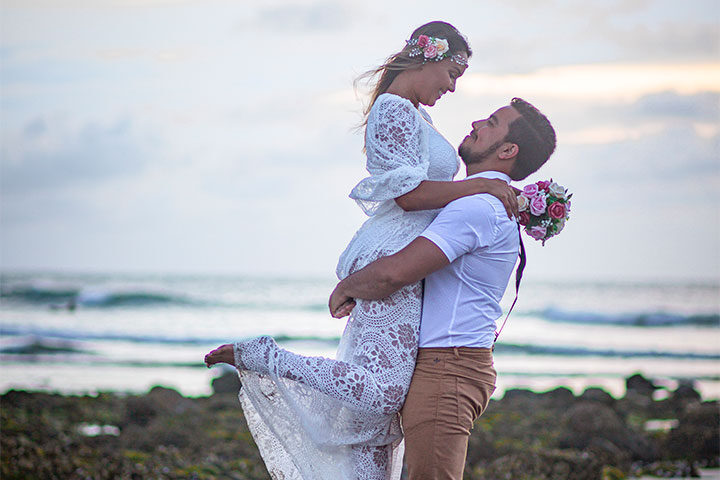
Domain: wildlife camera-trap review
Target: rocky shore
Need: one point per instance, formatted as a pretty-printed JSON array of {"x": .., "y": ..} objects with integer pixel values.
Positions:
[{"x": 553, "y": 435}]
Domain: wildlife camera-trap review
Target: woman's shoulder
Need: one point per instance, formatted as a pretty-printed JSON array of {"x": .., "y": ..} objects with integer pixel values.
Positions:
[
  {"x": 390, "y": 100},
  {"x": 391, "y": 105}
]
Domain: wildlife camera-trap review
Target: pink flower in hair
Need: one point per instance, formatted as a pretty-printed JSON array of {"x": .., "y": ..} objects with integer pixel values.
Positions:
[
  {"x": 430, "y": 51},
  {"x": 423, "y": 40}
]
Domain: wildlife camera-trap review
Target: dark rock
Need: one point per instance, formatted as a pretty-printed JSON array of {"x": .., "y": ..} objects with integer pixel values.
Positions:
[
  {"x": 685, "y": 393},
  {"x": 639, "y": 384},
  {"x": 139, "y": 411},
  {"x": 696, "y": 437},
  {"x": 607, "y": 453},
  {"x": 667, "y": 469},
  {"x": 169, "y": 400},
  {"x": 559, "y": 397},
  {"x": 17, "y": 398},
  {"x": 596, "y": 394},
  {"x": 586, "y": 421},
  {"x": 544, "y": 465},
  {"x": 228, "y": 382},
  {"x": 516, "y": 394}
]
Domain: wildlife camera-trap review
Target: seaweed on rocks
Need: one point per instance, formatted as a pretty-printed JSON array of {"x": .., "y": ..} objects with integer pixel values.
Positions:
[{"x": 524, "y": 436}]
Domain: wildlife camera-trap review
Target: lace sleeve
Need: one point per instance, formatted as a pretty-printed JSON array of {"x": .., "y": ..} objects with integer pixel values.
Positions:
[{"x": 397, "y": 154}]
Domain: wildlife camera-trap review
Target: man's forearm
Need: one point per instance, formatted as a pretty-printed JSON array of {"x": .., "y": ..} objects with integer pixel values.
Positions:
[
  {"x": 387, "y": 275},
  {"x": 373, "y": 282}
]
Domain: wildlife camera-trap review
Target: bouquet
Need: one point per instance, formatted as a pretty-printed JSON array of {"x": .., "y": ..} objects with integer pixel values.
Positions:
[{"x": 544, "y": 208}]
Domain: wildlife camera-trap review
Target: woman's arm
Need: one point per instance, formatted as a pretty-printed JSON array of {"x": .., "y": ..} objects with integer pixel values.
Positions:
[{"x": 431, "y": 194}]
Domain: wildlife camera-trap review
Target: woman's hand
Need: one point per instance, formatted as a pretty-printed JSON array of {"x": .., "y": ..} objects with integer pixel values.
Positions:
[
  {"x": 340, "y": 304},
  {"x": 502, "y": 191}
]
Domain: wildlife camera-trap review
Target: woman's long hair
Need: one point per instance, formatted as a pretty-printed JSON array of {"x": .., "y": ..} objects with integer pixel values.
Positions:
[{"x": 381, "y": 77}]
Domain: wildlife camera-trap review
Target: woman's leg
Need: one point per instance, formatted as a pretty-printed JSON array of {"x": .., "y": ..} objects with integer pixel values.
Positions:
[{"x": 373, "y": 375}]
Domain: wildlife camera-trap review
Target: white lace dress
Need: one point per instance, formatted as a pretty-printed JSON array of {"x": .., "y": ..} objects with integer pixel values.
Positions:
[{"x": 318, "y": 418}]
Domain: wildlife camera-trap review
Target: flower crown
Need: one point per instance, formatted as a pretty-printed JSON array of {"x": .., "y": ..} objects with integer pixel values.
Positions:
[{"x": 433, "y": 48}]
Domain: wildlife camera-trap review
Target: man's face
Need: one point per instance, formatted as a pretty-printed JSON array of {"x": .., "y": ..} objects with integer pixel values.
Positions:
[{"x": 487, "y": 135}]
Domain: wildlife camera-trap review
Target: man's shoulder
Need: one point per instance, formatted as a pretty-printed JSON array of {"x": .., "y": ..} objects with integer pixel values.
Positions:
[{"x": 480, "y": 204}]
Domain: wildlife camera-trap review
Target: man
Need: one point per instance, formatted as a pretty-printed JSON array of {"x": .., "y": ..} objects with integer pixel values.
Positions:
[{"x": 466, "y": 257}]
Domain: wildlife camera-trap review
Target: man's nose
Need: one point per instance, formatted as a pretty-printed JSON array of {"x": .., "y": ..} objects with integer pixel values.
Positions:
[{"x": 476, "y": 124}]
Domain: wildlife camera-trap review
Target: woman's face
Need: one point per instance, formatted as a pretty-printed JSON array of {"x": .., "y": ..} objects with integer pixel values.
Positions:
[{"x": 436, "y": 78}]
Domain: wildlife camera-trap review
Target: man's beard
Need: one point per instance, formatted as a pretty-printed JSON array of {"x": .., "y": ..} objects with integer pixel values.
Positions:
[{"x": 470, "y": 158}]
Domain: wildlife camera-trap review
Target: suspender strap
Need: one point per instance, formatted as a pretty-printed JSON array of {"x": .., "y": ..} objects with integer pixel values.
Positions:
[{"x": 518, "y": 277}]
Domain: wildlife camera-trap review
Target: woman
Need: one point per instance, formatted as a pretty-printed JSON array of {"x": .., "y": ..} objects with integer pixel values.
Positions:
[{"x": 317, "y": 418}]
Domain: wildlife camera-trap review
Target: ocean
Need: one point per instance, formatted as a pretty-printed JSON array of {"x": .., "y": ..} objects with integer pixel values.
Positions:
[{"x": 87, "y": 333}]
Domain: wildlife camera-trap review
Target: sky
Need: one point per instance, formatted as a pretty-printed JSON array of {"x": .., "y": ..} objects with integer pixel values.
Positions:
[{"x": 211, "y": 136}]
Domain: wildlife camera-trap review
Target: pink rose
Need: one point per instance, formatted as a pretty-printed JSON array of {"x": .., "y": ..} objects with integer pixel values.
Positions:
[
  {"x": 538, "y": 233},
  {"x": 523, "y": 218},
  {"x": 423, "y": 40},
  {"x": 430, "y": 51},
  {"x": 530, "y": 190},
  {"x": 556, "y": 210},
  {"x": 537, "y": 205},
  {"x": 543, "y": 185}
]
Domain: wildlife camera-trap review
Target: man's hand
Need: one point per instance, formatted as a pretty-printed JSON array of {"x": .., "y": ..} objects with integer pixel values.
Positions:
[
  {"x": 505, "y": 193},
  {"x": 340, "y": 304}
]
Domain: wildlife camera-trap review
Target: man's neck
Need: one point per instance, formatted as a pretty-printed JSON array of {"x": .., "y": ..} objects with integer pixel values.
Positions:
[{"x": 474, "y": 169}]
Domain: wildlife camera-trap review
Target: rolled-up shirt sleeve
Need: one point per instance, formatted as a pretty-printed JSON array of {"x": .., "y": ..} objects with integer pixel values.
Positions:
[{"x": 464, "y": 225}]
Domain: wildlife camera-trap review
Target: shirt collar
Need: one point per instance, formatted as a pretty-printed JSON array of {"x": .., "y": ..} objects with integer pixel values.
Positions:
[{"x": 491, "y": 174}]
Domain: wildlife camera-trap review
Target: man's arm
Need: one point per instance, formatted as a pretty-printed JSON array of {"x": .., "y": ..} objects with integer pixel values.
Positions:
[{"x": 387, "y": 275}]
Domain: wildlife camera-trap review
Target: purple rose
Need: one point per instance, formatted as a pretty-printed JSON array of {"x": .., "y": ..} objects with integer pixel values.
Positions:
[{"x": 537, "y": 205}]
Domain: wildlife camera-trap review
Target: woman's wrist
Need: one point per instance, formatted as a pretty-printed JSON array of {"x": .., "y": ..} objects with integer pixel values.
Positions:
[{"x": 478, "y": 185}]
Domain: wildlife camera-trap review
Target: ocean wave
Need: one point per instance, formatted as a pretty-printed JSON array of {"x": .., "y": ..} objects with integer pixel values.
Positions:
[
  {"x": 568, "y": 351},
  {"x": 39, "y": 334},
  {"x": 641, "y": 319},
  {"x": 65, "y": 297},
  {"x": 29, "y": 340},
  {"x": 70, "y": 297}
]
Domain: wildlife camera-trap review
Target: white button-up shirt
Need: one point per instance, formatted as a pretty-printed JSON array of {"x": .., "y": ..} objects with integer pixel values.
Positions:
[{"x": 462, "y": 301}]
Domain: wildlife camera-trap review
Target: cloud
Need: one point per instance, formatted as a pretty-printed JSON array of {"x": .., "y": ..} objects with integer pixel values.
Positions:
[
  {"x": 300, "y": 18},
  {"x": 668, "y": 41},
  {"x": 52, "y": 154},
  {"x": 593, "y": 122},
  {"x": 671, "y": 159},
  {"x": 599, "y": 82},
  {"x": 699, "y": 106}
]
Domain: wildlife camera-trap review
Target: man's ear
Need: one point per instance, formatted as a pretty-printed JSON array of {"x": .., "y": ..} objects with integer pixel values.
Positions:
[{"x": 508, "y": 151}]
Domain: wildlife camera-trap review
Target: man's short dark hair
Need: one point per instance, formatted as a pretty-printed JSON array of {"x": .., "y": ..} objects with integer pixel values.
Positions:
[{"x": 534, "y": 136}]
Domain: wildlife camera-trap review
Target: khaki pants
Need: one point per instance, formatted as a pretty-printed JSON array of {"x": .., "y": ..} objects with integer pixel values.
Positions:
[{"x": 450, "y": 389}]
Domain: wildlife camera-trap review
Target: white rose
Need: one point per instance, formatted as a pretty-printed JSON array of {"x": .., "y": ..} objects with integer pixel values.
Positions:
[
  {"x": 556, "y": 190},
  {"x": 523, "y": 203},
  {"x": 442, "y": 46}
]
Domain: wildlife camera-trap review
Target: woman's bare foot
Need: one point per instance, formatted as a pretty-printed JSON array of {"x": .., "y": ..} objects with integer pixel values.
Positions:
[{"x": 222, "y": 354}]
